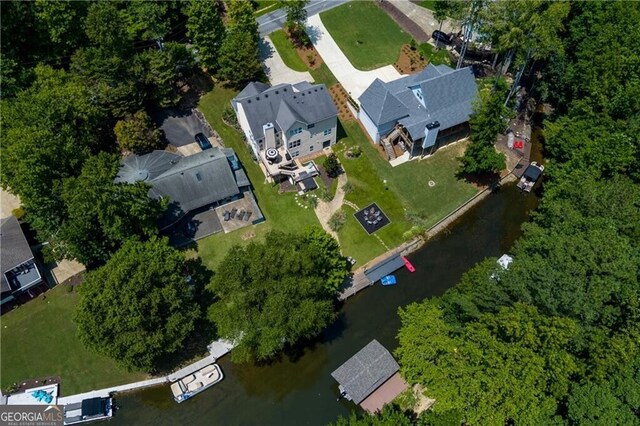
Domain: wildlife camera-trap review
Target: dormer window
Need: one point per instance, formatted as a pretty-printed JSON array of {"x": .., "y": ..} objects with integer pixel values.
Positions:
[{"x": 294, "y": 132}]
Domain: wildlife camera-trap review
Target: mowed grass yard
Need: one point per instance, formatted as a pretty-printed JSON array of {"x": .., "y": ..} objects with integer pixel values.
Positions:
[
  {"x": 280, "y": 210},
  {"x": 39, "y": 339},
  {"x": 287, "y": 51},
  {"x": 410, "y": 181},
  {"x": 365, "y": 34}
]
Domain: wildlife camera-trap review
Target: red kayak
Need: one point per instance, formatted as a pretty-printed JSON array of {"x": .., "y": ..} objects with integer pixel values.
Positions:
[{"x": 408, "y": 264}]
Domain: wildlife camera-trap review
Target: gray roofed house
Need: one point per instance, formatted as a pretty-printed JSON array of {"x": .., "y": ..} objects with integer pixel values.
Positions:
[
  {"x": 292, "y": 120},
  {"x": 188, "y": 182},
  {"x": 399, "y": 111},
  {"x": 366, "y": 371},
  {"x": 19, "y": 269}
]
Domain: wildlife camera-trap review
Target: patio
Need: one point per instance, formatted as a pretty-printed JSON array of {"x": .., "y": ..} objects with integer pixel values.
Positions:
[{"x": 239, "y": 213}]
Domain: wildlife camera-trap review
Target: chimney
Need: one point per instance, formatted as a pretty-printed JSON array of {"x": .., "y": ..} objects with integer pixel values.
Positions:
[{"x": 269, "y": 136}]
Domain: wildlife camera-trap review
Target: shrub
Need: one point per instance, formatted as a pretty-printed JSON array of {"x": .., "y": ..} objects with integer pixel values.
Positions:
[
  {"x": 229, "y": 117},
  {"x": 413, "y": 45},
  {"x": 354, "y": 151},
  {"x": 19, "y": 212},
  {"x": 337, "y": 220},
  {"x": 332, "y": 165},
  {"x": 325, "y": 194},
  {"x": 348, "y": 187}
]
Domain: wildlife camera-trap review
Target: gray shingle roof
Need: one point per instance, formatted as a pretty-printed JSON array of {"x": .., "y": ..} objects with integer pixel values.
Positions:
[
  {"x": 364, "y": 372},
  {"x": 448, "y": 96},
  {"x": 188, "y": 182},
  {"x": 14, "y": 248},
  {"x": 284, "y": 104}
]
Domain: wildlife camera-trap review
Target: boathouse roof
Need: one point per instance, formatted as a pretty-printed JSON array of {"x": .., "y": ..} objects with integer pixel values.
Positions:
[{"x": 366, "y": 371}]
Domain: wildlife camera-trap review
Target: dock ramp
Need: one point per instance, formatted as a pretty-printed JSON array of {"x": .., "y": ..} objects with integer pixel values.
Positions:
[{"x": 384, "y": 267}]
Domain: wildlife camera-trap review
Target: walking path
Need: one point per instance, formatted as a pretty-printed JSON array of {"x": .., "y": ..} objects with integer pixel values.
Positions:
[
  {"x": 353, "y": 80},
  {"x": 324, "y": 210},
  {"x": 275, "y": 68}
]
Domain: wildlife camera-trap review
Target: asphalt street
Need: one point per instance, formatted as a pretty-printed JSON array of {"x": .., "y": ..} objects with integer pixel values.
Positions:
[{"x": 275, "y": 20}]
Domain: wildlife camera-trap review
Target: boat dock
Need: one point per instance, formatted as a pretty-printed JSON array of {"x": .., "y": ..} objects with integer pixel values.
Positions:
[{"x": 217, "y": 349}]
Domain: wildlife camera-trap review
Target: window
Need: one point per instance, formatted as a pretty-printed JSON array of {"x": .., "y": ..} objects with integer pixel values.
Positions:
[
  {"x": 294, "y": 132},
  {"x": 327, "y": 132},
  {"x": 311, "y": 126},
  {"x": 295, "y": 153},
  {"x": 294, "y": 144},
  {"x": 311, "y": 148}
]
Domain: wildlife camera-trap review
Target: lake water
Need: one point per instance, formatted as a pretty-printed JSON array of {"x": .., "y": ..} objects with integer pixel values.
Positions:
[{"x": 299, "y": 390}]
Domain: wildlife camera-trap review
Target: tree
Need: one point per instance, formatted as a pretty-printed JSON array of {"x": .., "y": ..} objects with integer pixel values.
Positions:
[
  {"x": 486, "y": 122},
  {"x": 146, "y": 19},
  {"x": 239, "y": 61},
  {"x": 137, "y": 134},
  {"x": 62, "y": 21},
  {"x": 390, "y": 415},
  {"x": 159, "y": 71},
  {"x": 296, "y": 17},
  {"x": 275, "y": 293},
  {"x": 139, "y": 307},
  {"x": 332, "y": 165},
  {"x": 507, "y": 367},
  {"x": 593, "y": 404},
  {"x": 101, "y": 214},
  {"x": 241, "y": 18},
  {"x": 205, "y": 28},
  {"x": 105, "y": 28},
  {"x": 48, "y": 131}
]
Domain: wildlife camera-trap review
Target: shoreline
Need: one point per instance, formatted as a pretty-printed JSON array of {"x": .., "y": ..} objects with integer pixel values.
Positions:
[{"x": 359, "y": 282}]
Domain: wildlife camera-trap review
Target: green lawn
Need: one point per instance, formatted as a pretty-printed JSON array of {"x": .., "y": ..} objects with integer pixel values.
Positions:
[
  {"x": 323, "y": 74},
  {"x": 365, "y": 34},
  {"x": 266, "y": 6},
  {"x": 280, "y": 210},
  {"x": 428, "y": 4},
  {"x": 287, "y": 51},
  {"x": 435, "y": 56},
  {"x": 39, "y": 339},
  {"x": 409, "y": 181}
]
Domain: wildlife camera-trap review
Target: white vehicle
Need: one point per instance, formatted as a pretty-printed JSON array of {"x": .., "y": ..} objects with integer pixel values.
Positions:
[{"x": 530, "y": 176}]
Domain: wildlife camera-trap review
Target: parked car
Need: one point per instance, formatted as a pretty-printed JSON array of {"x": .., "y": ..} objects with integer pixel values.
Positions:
[
  {"x": 441, "y": 37},
  {"x": 203, "y": 141}
]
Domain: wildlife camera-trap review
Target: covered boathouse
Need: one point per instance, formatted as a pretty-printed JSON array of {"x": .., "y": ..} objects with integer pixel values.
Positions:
[{"x": 370, "y": 378}]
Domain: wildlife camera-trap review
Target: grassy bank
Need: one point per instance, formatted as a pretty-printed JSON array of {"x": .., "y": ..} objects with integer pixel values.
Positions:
[
  {"x": 365, "y": 34},
  {"x": 39, "y": 339},
  {"x": 287, "y": 51}
]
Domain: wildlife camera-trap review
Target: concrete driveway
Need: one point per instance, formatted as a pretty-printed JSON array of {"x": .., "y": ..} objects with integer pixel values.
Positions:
[
  {"x": 275, "y": 67},
  {"x": 424, "y": 18},
  {"x": 353, "y": 80}
]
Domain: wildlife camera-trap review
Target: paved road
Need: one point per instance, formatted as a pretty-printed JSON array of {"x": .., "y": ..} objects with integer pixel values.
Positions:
[{"x": 275, "y": 20}]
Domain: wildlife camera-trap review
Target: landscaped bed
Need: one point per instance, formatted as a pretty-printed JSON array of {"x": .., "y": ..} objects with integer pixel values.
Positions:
[
  {"x": 39, "y": 339},
  {"x": 365, "y": 34}
]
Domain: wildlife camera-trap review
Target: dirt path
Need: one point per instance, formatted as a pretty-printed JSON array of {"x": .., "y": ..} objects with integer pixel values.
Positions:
[{"x": 324, "y": 210}]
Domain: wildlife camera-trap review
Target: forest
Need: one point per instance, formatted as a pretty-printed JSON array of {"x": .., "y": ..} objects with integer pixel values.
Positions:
[{"x": 555, "y": 339}]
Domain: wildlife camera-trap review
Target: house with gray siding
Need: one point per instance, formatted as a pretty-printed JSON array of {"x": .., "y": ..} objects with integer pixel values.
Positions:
[
  {"x": 286, "y": 122},
  {"x": 420, "y": 112},
  {"x": 209, "y": 178}
]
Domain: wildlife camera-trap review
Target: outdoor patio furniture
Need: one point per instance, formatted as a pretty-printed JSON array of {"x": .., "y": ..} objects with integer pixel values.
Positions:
[
  {"x": 241, "y": 214},
  {"x": 246, "y": 218},
  {"x": 226, "y": 215},
  {"x": 233, "y": 212}
]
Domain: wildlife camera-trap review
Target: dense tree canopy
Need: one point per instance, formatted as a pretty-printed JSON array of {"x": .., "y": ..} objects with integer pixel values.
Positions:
[
  {"x": 205, "y": 27},
  {"x": 487, "y": 121},
  {"x": 139, "y": 307},
  {"x": 137, "y": 134},
  {"x": 555, "y": 338},
  {"x": 101, "y": 214},
  {"x": 239, "y": 61},
  {"x": 274, "y": 293}
]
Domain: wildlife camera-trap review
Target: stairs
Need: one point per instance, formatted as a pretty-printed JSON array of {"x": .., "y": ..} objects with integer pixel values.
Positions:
[{"x": 387, "y": 143}]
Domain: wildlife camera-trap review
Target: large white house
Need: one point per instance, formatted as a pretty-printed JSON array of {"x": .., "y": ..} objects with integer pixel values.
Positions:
[{"x": 284, "y": 122}]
